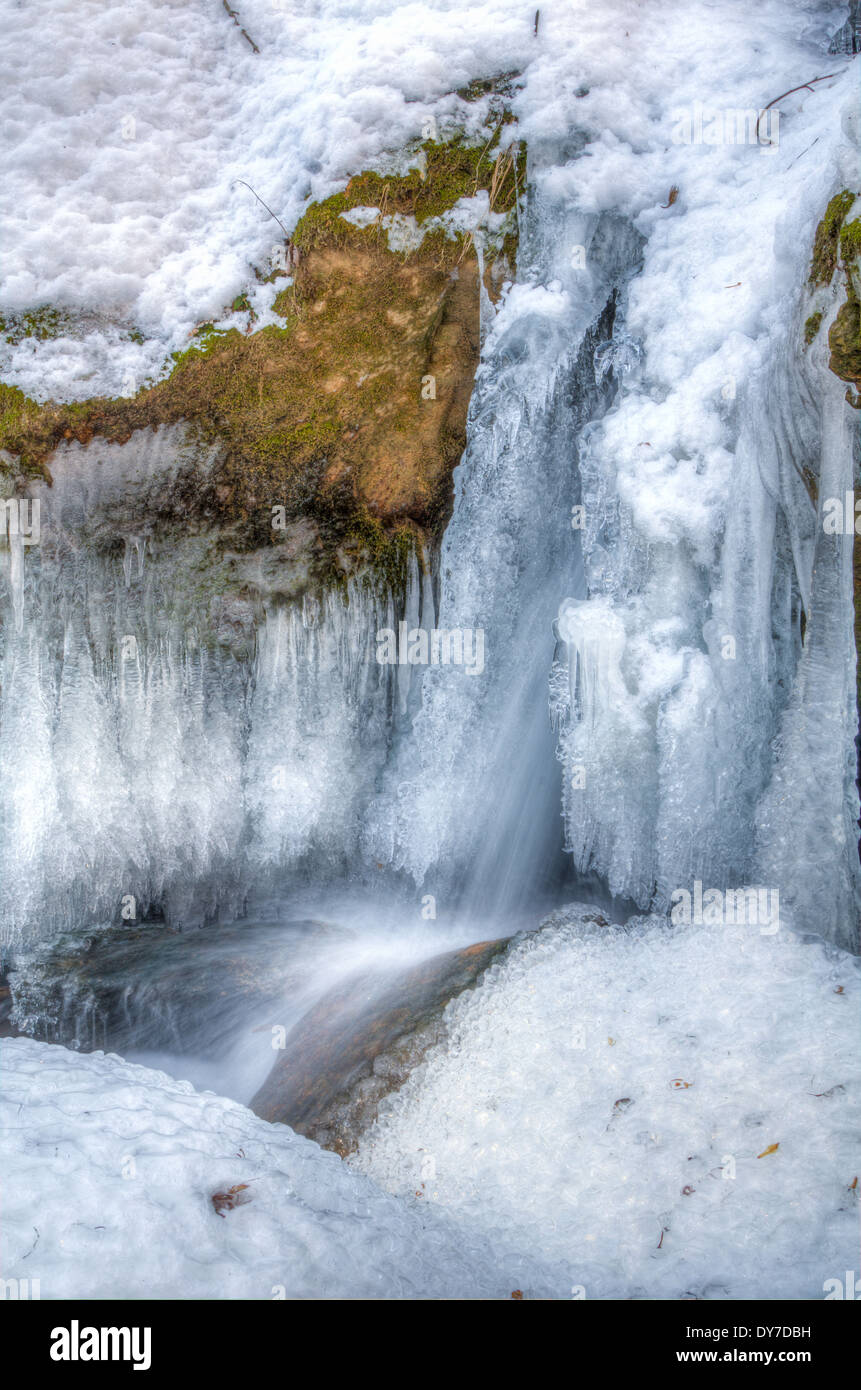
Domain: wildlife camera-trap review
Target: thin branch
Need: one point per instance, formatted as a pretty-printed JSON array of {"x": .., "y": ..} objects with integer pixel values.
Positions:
[
  {"x": 244, "y": 32},
  {"x": 266, "y": 206},
  {"x": 805, "y": 86}
]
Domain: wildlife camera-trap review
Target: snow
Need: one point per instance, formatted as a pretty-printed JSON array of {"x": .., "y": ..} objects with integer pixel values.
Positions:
[
  {"x": 108, "y": 1174},
  {"x": 606, "y": 1099}
]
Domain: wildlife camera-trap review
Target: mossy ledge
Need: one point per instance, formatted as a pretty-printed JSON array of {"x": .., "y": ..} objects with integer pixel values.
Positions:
[{"x": 351, "y": 412}]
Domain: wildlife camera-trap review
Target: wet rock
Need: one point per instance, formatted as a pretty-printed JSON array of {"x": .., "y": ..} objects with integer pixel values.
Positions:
[
  {"x": 7, "y": 1027},
  {"x": 149, "y": 987},
  {"x": 361, "y": 1041}
]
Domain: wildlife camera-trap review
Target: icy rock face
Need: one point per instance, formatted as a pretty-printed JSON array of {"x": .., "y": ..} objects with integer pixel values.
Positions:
[
  {"x": 695, "y": 540},
  {"x": 847, "y": 39},
  {"x": 668, "y": 1112},
  {"x": 164, "y": 741},
  {"x": 701, "y": 545},
  {"x": 643, "y": 424},
  {"x": 142, "y": 1156}
]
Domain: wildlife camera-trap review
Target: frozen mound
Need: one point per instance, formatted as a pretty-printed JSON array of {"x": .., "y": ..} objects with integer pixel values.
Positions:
[
  {"x": 666, "y": 1112},
  {"x": 109, "y": 1173}
]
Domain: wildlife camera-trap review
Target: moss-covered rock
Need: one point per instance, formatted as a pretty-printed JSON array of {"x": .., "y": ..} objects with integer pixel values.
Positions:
[
  {"x": 844, "y": 340},
  {"x": 352, "y": 411},
  {"x": 827, "y": 239}
]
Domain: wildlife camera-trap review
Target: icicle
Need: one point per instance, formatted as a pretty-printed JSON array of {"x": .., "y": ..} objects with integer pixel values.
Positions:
[
  {"x": 410, "y": 623},
  {"x": 428, "y": 619},
  {"x": 595, "y": 636},
  {"x": 486, "y": 311},
  {"x": 16, "y": 576}
]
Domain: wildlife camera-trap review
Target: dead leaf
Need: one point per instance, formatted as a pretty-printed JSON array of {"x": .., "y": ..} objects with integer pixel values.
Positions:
[
  {"x": 677, "y": 1084},
  {"x": 516, "y": 1293},
  {"x": 674, "y": 193},
  {"x": 772, "y": 1149},
  {"x": 226, "y": 1201}
]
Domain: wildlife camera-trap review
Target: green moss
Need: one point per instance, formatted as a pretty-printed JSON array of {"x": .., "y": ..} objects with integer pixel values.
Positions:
[
  {"x": 844, "y": 339},
  {"x": 385, "y": 553},
  {"x": 850, "y": 241},
  {"x": 207, "y": 339},
  {"x": 447, "y": 172},
  {"x": 827, "y": 238},
  {"x": 811, "y": 327},
  {"x": 41, "y": 323},
  {"x": 500, "y": 85},
  {"x": 26, "y": 429}
]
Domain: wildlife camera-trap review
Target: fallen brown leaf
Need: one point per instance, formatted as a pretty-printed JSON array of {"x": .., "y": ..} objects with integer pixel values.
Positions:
[{"x": 226, "y": 1201}]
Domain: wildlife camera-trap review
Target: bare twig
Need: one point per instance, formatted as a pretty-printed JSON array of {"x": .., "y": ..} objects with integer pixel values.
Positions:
[
  {"x": 266, "y": 206},
  {"x": 805, "y": 86},
  {"x": 244, "y": 32}
]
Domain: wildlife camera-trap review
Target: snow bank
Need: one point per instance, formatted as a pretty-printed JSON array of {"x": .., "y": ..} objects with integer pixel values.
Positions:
[
  {"x": 667, "y": 1112},
  {"x": 108, "y": 1174}
]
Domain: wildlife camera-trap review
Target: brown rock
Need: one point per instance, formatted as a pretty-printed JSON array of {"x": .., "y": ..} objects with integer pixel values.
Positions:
[{"x": 361, "y": 1041}]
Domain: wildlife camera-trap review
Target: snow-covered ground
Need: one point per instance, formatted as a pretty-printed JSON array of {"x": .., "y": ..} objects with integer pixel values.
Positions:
[
  {"x": 108, "y": 1173},
  {"x": 668, "y": 1112},
  {"x": 619, "y": 1113},
  {"x": 127, "y": 129}
]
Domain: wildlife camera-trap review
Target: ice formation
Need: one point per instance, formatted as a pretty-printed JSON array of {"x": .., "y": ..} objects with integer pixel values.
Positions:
[{"x": 632, "y": 533}]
